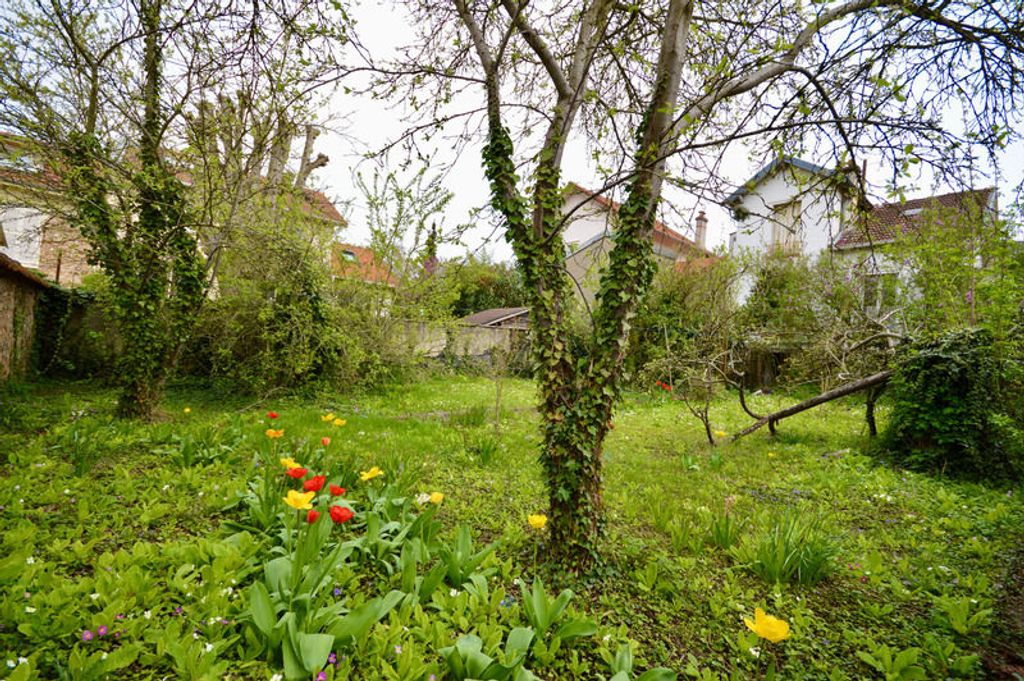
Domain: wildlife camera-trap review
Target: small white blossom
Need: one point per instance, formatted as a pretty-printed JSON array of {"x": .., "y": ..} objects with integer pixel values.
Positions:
[
  {"x": 422, "y": 498},
  {"x": 103, "y": 656},
  {"x": 22, "y": 660},
  {"x": 165, "y": 488},
  {"x": 30, "y": 560},
  {"x": 17, "y": 487},
  {"x": 208, "y": 647},
  {"x": 67, "y": 491},
  {"x": 94, "y": 596},
  {"x": 453, "y": 593},
  {"x": 195, "y": 635},
  {"x": 756, "y": 652},
  {"x": 11, "y": 664},
  {"x": 29, "y": 609},
  {"x": 277, "y": 677},
  {"x": 148, "y": 614}
]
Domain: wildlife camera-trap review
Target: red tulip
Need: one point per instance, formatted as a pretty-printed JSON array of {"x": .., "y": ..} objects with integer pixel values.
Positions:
[
  {"x": 668, "y": 388},
  {"x": 325, "y": 441},
  {"x": 271, "y": 414},
  {"x": 315, "y": 484},
  {"x": 296, "y": 472},
  {"x": 340, "y": 514},
  {"x": 337, "y": 491},
  {"x": 312, "y": 516}
]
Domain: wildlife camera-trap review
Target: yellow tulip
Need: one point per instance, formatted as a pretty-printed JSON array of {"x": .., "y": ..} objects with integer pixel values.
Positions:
[
  {"x": 720, "y": 433},
  {"x": 436, "y": 498},
  {"x": 339, "y": 422},
  {"x": 299, "y": 500},
  {"x": 290, "y": 463},
  {"x": 366, "y": 476},
  {"x": 274, "y": 434},
  {"x": 328, "y": 417},
  {"x": 538, "y": 521},
  {"x": 767, "y": 627},
  {"x": 187, "y": 410}
]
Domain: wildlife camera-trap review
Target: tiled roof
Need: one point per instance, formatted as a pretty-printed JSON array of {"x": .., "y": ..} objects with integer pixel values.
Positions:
[
  {"x": 888, "y": 221},
  {"x": 663, "y": 235},
  {"x": 366, "y": 265},
  {"x": 318, "y": 204}
]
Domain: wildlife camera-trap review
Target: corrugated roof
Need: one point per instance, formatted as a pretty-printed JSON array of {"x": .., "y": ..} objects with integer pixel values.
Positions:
[
  {"x": 888, "y": 221},
  {"x": 494, "y": 316},
  {"x": 777, "y": 163}
]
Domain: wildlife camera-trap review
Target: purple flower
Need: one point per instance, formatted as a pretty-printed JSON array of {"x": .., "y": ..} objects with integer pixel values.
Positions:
[
  {"x": 322, "y": 676},
  {"x": 119, "y": 616},
  {"x": 332, "y": 658},
  {"x": 101, "y": 630},
  {"x": 398, "y": 650},
  {"x": 86, "y": 635},
  {"x": 337, "y": 591},
  {"x": 179, "y": 610},
  {"x": 224, "y": 621}
]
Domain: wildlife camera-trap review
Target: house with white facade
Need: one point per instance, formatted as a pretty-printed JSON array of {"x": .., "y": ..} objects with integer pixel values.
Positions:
[
  {"x": 792, "y": 207},
  {"x": 589, "y": 235}
]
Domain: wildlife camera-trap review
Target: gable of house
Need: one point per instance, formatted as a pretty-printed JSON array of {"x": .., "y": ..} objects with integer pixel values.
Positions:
[{"x": 791, "y": 207}]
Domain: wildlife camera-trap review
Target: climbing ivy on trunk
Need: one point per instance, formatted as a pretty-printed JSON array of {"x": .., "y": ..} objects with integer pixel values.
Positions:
[{"x": 144, "y": 245}]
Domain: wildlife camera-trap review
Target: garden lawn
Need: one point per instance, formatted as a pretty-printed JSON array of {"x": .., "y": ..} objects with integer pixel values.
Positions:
[{"x": 136, "y": 528}]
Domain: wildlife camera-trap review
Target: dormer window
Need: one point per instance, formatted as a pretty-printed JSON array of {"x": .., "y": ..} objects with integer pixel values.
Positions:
[
  {"x": 911, "y": 212},
  {"x": 349, "y": 256}
]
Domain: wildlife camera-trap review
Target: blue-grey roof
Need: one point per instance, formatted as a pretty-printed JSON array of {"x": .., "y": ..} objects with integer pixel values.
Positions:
[{"x": 745, "y": 188}]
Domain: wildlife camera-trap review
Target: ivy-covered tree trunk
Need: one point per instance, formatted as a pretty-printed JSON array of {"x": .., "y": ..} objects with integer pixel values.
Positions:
[
  {"x": 578, "y": 393},
  {"x": 147, "y": 250}
]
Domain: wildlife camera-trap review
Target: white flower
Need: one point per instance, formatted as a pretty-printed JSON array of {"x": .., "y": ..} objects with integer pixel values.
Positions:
[
  {"x": 277, "y": 677},
  {"x": 22, "y": 660},
  {"x": 103, "y": 656},
  {"x": 30, "y": 560},
  {"x": 67, "y": 491},
  {"x": 195, "y": 635},
  {"x": 29, "y": 609},
  {"x": 11, "y": 664},
  {"x": 756, "y": 652},
  {"x": 453, "y": 593},
  {"x": 422, "y": 498},
  {"x": 94, "y": 596},
  {"x": 208, "y": 647},
  {"x": 165, "y": 488},
  {"x": 17, "y": 487},
  {"x": 148, "y": 614}
]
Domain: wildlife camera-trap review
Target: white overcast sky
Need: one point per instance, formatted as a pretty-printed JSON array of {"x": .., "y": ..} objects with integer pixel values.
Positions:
[{"x": 361, "y": 124}]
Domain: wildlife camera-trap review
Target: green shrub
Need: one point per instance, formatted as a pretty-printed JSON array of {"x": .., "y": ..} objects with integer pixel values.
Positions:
[
  {"x": 793, "y": 549},
  {"x": 950, "y": 397}
]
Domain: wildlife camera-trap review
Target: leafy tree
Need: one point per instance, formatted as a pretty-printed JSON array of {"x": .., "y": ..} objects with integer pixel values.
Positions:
[
  {"x": 483, "y": 285},
  {"x": 101, "y": 93},
  {"x": 681, "y": 80}
]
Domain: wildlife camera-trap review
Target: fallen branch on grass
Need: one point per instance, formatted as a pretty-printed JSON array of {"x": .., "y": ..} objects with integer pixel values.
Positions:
[{"x": 770, "y": 420}]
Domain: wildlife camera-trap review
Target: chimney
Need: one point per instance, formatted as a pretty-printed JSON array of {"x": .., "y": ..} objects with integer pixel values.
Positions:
[{"x": 702, "y": 230}]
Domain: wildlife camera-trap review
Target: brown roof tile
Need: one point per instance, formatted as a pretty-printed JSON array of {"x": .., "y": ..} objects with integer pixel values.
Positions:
[
  {"x": 366, "y": 265},
  {"x": 887, "y": 221}
]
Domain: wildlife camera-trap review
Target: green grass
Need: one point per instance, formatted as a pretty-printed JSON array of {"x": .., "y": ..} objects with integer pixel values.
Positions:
[{"x": 919, "y": 559}]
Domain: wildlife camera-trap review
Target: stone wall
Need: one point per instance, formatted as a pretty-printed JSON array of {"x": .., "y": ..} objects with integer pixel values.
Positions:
[{"x": 18, "y": 298}]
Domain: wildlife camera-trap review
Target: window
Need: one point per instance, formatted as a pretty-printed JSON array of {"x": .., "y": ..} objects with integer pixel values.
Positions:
[
  {"x": 786, "y": 227},
  {"x": 879, "y": 294},
  {"x": 348, "y": 256}
]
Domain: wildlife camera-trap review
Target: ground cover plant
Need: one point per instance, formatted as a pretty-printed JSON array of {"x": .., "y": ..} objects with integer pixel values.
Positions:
[{"x": 207, "y": 545}]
